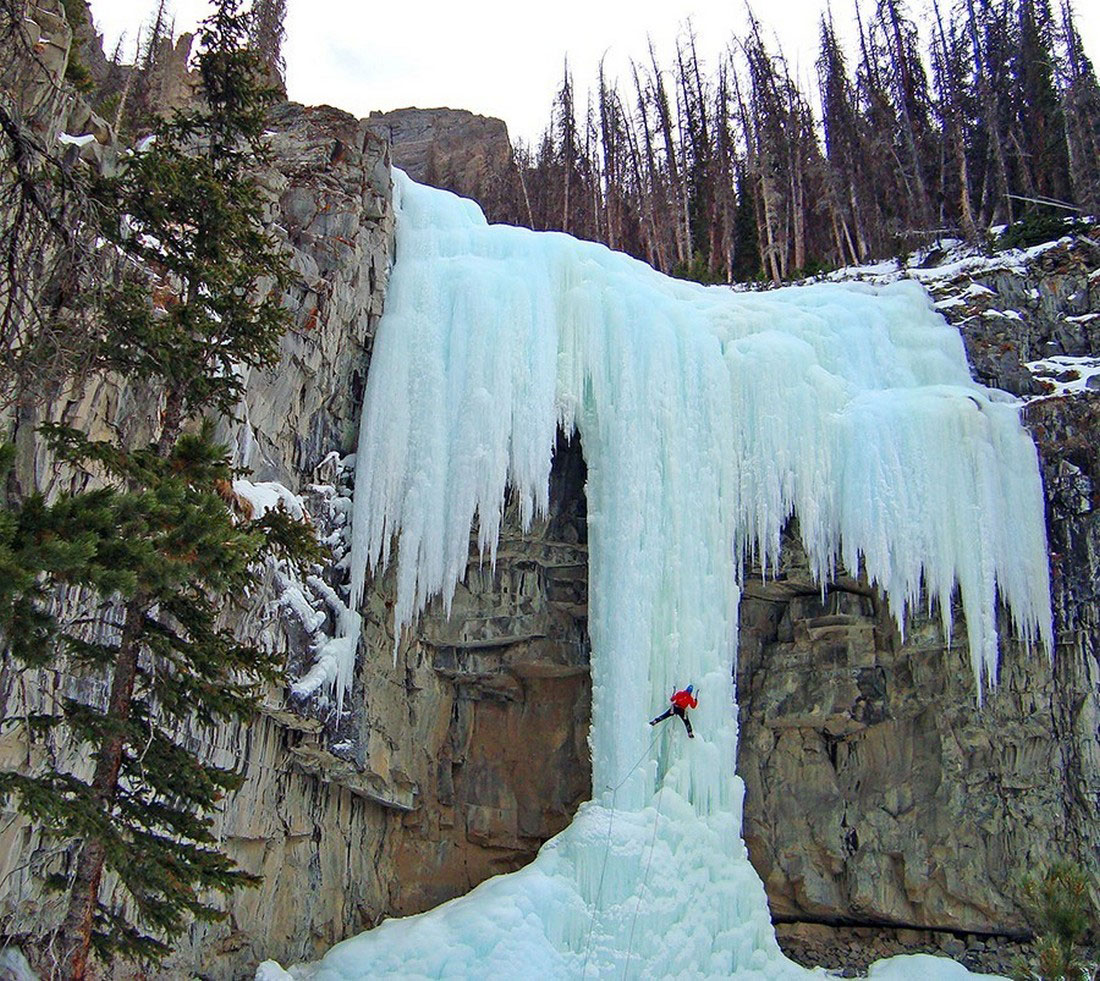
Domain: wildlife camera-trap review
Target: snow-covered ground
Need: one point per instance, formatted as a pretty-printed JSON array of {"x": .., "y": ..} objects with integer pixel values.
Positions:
[
  {"x": 1067, "y": 375},
  {"x": 707, "y": 417},
  {"x": 952, "y": 259}
]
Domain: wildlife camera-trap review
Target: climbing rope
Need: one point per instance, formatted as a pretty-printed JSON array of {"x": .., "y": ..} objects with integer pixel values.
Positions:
[
  {"x": 656, "y": 736},
  {"x": 607, "y": 845},
  {"x": 645, "y": 880}
]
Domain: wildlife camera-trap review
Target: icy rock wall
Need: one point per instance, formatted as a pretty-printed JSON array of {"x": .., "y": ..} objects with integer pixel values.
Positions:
[
  {"x": 706, "y": 419},
  {"x": 301, "y": 812},
  {"x": 876, "y": 795}
]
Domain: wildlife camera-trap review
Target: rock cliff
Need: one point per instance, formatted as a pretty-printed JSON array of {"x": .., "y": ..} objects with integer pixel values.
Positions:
[
  {"x": 879, "y": 793},
  {"x": 424, "y": 787},
  {"x": 329, "y": 200},
  {"x": 458, "y": 151},
  {"x": 880, "y": 799}
]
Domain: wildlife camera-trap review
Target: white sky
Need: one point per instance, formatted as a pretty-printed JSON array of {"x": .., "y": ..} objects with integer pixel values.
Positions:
[{"x": 502, "y": 57}]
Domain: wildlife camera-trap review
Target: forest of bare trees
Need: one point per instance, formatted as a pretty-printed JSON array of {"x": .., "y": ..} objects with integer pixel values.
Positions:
[
  {"x": 989, "y": 114},
  {"x": 738, "y": 171}
]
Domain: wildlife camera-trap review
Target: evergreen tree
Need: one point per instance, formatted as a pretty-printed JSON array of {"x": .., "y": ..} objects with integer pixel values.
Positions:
[
  {"x": 268, "y": 31},
  {"x": 846, "y": 183},
  {"x": 568, "y": 142},
  {"x": 922, "y": 133},
  {"x": 746, "y": 240},
  {"x": 149, "y": 559},
  {"x": 949, "y": 63},
  {"x": 1039, "y": 129},
  {"x": 991, "y": 49},
  {"x": 157, "y": 550},
  {"x": 697, "y": 151},
  {"x": 1081, "y": 98}
]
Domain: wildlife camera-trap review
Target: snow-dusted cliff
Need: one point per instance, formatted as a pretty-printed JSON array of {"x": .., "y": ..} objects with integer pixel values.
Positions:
[
  {"x": 707, "y": 418},
  {"x": 877, "y": 795}
]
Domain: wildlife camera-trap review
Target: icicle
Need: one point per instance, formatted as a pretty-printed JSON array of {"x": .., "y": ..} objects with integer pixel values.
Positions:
[{"x": 707, "y": 418}]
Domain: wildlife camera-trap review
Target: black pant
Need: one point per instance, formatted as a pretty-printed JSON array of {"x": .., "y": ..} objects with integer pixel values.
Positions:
[{"x": 675, "y": 710}]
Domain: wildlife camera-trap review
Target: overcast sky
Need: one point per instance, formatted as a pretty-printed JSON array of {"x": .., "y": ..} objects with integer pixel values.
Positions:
[{"x": 502, "y": 57}]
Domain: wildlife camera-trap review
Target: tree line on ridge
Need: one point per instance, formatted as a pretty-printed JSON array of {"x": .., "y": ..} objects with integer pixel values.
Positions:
[{"x": 988, "y": 115}]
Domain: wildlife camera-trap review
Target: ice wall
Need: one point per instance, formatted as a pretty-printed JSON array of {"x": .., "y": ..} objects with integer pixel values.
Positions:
[{"x": 707, "y": 417}]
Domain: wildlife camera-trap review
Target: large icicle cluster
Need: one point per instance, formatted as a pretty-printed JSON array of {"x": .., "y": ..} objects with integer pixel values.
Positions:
[{"x": 707, "y": 418}]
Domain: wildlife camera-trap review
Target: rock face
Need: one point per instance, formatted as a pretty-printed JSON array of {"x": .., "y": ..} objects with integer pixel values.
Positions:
[
  {"x": 458, "y": 151},
  {"x": 487, "y": 711},
  {"x": 309, "y": 832},
  {"x": 1055, "y": 297},
  {"x": 877, "y": 792},
  {"x": 878, "y": 796},
  {"x": 301, "y": 820},
  {"x": 424, "y": 787},
  {"x": 33, "y": 72},
  {"x": 330, "y": 190}
]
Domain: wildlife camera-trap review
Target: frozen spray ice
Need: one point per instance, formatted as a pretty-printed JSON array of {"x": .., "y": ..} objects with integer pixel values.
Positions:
[{"x": 707, "y": 418}]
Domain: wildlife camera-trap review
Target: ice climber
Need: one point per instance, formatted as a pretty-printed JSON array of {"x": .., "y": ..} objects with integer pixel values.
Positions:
[{"x": 681, "y": 702}]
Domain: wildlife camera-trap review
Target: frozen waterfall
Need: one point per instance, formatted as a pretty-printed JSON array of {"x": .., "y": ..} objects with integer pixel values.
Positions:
[{"x": 707, "y": 418}]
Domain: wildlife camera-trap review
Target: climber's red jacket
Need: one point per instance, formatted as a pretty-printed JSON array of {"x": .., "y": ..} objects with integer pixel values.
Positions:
[{"x": 684, "y": 700}]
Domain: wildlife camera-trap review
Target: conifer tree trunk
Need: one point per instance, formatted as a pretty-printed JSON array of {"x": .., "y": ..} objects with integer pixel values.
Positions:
[
  {"x": 75, "y": 935},
  {"x": 1081, "y": 115},
  {"x": 838, "y": 242},
  {"x": 171, "y": 421},
  {"x": 526, "y": 197},
  {"x": 902, "y": 72},
  {"x": 657, "y": 250},
  {"x": 862, "y": 250},
  {"x": 798, "y": 183},
  {"x": 954, "y": 134},
  {"x": 676, "y": 192},
  {"x": 565, "y": 200},
  {"x": 798, "y": 215},
  {"x": 966, "y": 213},
  {"x": 76, "y": 931},
  {"x": 771, "y": 245},
  {"x": 997, "y": 196}
]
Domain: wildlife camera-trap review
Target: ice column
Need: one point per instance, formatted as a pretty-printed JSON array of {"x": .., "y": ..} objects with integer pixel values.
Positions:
[{"x": 707, "y": 418}]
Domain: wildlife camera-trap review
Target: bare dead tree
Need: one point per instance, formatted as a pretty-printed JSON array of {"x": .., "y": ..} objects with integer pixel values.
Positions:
[
  {"x": 1081, "y": 100},
  {"x": 913, "y": 141},
  {"x": 949, "y": 82}
]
